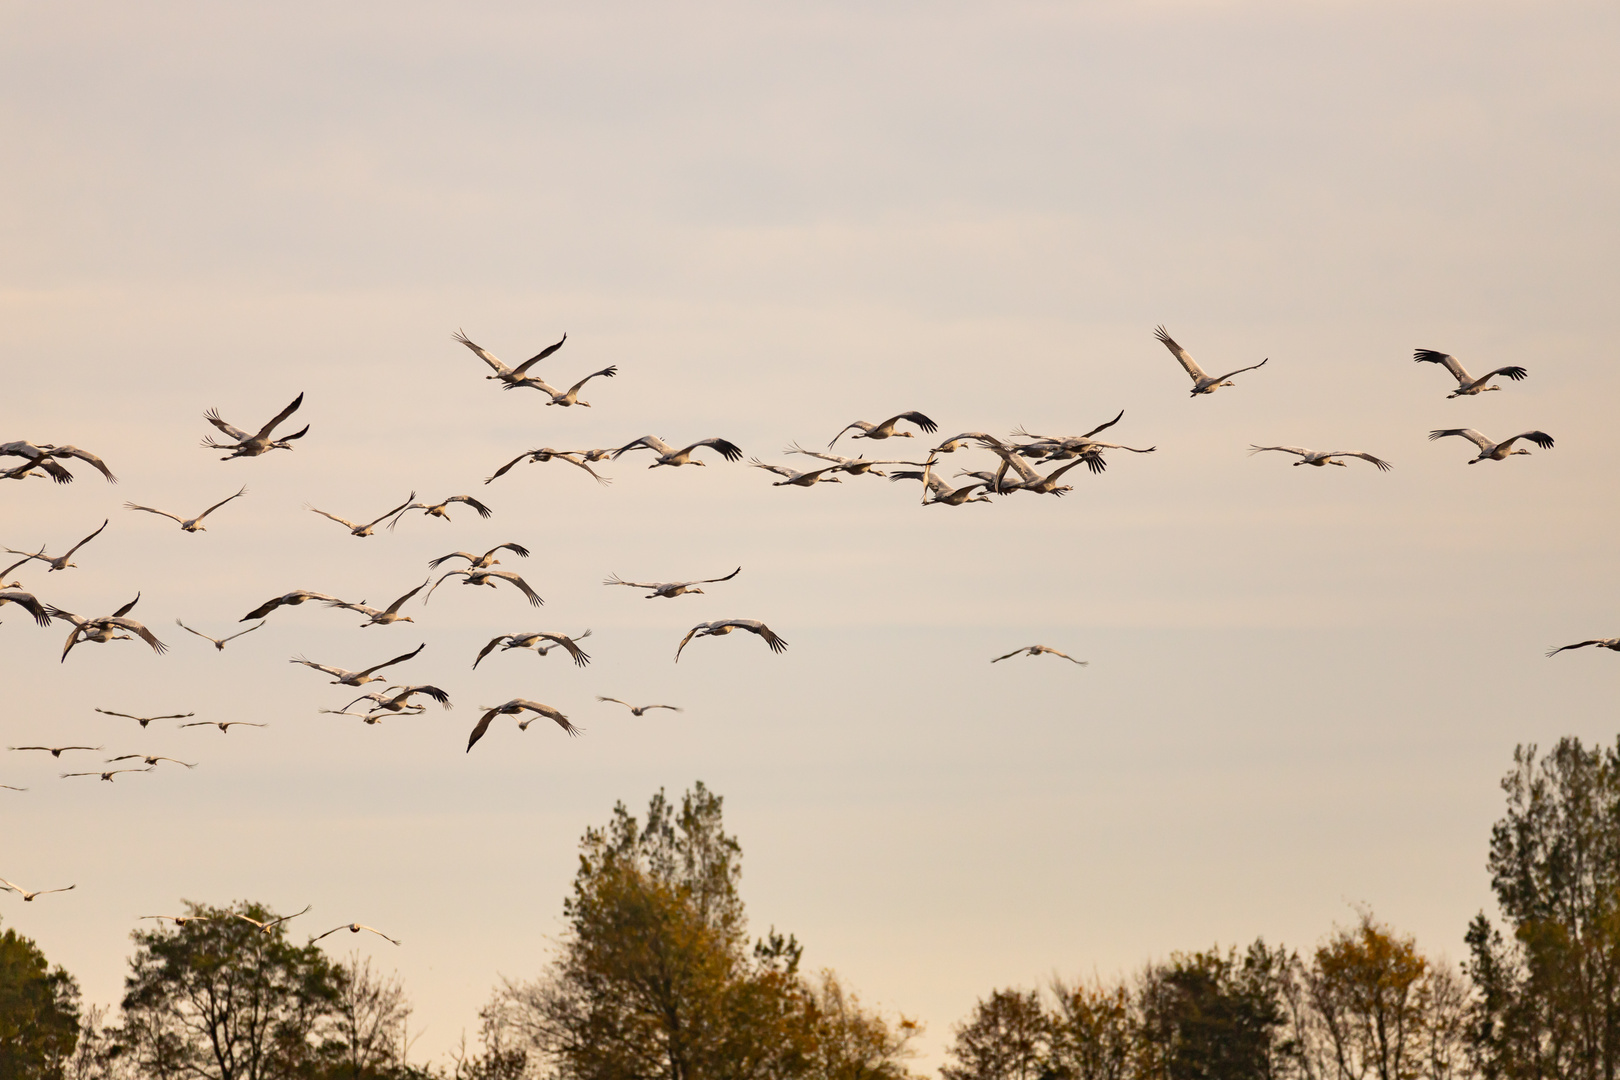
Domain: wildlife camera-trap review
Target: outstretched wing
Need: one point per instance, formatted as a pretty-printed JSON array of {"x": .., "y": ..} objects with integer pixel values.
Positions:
[
  {"x": 1577, "y": 645},
  {"x": 86, "y": 540},
  {"x": 217, "y": 505},
  {"x": 1540, "y": 438},
  {"x": 483, "y": 511},
  {"x": 1300, "y": 450},
  {"x": 341, "y": 521},
  {"x": 1180, "y": 354},
  {"x": 1383, "y": 466},
  {"x": 536, "y": 358},
  {"x": 1241, "y": 370},
  {"x": 487, "y": 649},
  {"x": 264, "y": 432},
  {"x": 1010, "y": 655},
  {"x": 482, "y": 354},
  {"x": 150, "y": 510},
  {"x": 523, "y": 586},
  {"x": 395, "y": 606},
  {"x": 607, "y": 372},
  {"x": 711, "y": 581},
  {"x": 1430, "y": 356},
  {"x": 650, "y": 442},
  {"x": 141, "y": 631},
  {"x": 688, "y": 637},
  {"x": 481, "y": 727},
  {"x": 1104, "y": 427},
  {"x": 927, "y": 425},
  {"x": 395, "y": 660},
  {"x": 1468, "y": 433},
  {"x": 504, "y": 469},
  {"x": 728, "y": 450}
]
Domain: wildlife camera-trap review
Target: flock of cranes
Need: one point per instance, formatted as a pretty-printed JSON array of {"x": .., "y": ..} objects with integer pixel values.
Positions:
[{"x": 1015, "y": 465}]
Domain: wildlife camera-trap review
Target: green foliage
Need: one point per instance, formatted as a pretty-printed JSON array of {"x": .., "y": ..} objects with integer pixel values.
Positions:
[
  {"x": 1549, "y": 1002},
  {"x": 1215, "y": 1016},
  {"x": 219, "y": 999},
  {"x": 656, "y": 976},
  {"x": 39, "y": 1012}
]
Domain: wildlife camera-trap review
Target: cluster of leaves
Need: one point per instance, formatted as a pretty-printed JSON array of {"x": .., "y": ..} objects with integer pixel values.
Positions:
[
  {"x": 1549, "y": 996},
  {"x": 39, "y": 1013},
  {"x": 1367, "y": 1004},
  {"x": 656, "y": 976}
]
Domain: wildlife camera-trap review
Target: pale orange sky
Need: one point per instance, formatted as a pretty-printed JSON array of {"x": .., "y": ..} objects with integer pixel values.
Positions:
[{"x": 1304, "y": 684}]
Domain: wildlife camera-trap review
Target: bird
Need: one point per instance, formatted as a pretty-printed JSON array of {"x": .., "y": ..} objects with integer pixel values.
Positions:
[
  {"x": 357, "y": 678},
  {"x": 479, "y": 562},
  {"x": 1320, "y": 458},
  {"x": 1031, "y": 479},
  {"x": 152, "y": 760},
  {"x": 437, "y": 509},
  {"x": 376, "y": 717},
  {"x": 1036, "y": 650},
  {"x": 28, "y": 602},
  {"x": 223, "y": 725},
  {"x": 56, "y": 751},
  {"x": 531, "y": 641},
  {"x": 219, "y": 643},
  {"x": 106, "y": 628},
  {"x": 266, "y": 927},
  {"x": 1495, "y": 451},
  {"x": 1467, "y": 385},
  {"x": 397, "y": 698},
  {"x": 852, "y": 466},
  {"x": 180, "y": 920},
  {"x": 1052, "y": 447},
  {"x": 956, "y": 442},
  {"x": 667, "y": 455},
  {"x": 581, "y": 458},
  {"x": 1611, "y": 643},
  {"x": 1202, "y": 383},
  {"x": 292, "y": 599},
  {"x": 190, "y": 525},
  {"x": 253, "y": 445},
  {"x": 886, "y": 429},
  {"x": 58, "y": 562},
  {"x": 47, "y": 457},
  {"x": 29, "y": 896},
  {"x": 108, "y": 775},
  {"x": 565, "y": 398},
  {"x": 669, "y": 589},
  {"x": 941, "y": 490},
  {"x": 501, "y": 371},
  {"x": 639, "y": 710},
  {"x": 355, "y": 928},
  {"x": 796, "y": 478},
  {"x": 12, "y": 787},
  {"x": 379, "y": 618},
  {"x": 482, "y": 577},
  {"x": 726, "y": 626},
  {"x": 513, "y": 708},
  {"x": 144, "y": 720},
  {"x": 364, "y": 530}
]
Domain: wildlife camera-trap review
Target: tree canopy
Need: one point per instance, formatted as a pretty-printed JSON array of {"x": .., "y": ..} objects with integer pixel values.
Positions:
[{"x": 39, "y": 1012}]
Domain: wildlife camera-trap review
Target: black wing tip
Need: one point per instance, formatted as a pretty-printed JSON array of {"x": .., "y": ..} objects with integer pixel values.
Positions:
[{"x": 1431, "y": 356}]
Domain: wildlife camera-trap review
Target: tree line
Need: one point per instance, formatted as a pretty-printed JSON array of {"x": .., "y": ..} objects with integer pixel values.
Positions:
[{"x": 657, "y": 977}]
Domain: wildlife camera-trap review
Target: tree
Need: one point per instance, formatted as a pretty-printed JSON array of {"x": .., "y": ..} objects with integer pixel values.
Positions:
[
  {"x": 655, "y": 976},
  {"x": 1549, "y": 1002},
  {"x": 219, "y": 999},
  {"x": 1005, "y": 1038},
  {"x": 39, "y": 1012},
  {"x": 369, "y": 1014},
  {"x": 1215, "y": 1016},
  {"x": 1374, "y": 994},
  {"x": 1092, "y": 1032}
]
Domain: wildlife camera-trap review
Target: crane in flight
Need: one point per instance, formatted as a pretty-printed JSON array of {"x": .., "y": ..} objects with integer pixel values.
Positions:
[
  {"x": 344, "y": 677},
  {"x": 190, "y": 525},
  {"x": 516, "y": 707},
  {"x": 668, "y": 455},
  {"x": 1494, "y": 451},
  {"x": 144, "y": 720},
  {"x": 1467, "y": 385},
  {"x": 253, "y": 445},
  {"x": 1610, "y": 643},
  {"x": 1037, "y": 650},
  {"x": 29, "y": 896},
  {"x": 1203, "y": 383},
  {"x": 669, "y": 589},
  {"x": 1319, "y": 458},
  {"x": 54, "y": 562},
  {"x": 219, "y": 643},
  {"x": 726, "y": 626},
  {"x": 354, "y": 928},
  {"x": 364, "y": 530}
]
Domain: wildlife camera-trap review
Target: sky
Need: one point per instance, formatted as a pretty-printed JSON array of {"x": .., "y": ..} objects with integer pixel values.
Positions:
[{"x": 1303, "y": 685}]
